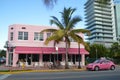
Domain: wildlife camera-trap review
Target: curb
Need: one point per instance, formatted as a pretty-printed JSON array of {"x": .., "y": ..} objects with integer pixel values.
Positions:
[{"x": 57, "y": 70}]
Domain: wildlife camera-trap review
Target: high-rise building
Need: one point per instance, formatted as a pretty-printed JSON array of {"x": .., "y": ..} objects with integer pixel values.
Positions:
[
  {"x": 100, "y": 21},
  {"x": 117, "y": 21}
]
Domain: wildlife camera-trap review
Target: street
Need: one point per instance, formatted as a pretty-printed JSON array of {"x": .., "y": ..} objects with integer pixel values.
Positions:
[{"x": 67, "y": 75}]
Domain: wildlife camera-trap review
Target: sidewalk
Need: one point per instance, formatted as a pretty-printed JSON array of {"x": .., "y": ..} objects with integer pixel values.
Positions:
[{"x": 16, "y": 70}]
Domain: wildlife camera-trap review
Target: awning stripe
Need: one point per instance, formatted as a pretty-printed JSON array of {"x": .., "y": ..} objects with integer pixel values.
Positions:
[{"x": 47, "y": 50}]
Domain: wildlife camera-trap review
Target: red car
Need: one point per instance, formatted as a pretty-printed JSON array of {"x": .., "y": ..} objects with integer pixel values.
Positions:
[{"x": 101, "y": 64}]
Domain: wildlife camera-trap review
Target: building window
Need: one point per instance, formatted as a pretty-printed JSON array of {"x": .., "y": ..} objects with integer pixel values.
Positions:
[
  {"x": 22, "y": 35},
  {"x": 11, "y": 36},
  {"x": 71, "y": 39},
  {"x": 41, "y": 37},
  {"x": 38, "y": 36},
  {"x": 23, "y": 27},
  {"x": 11, "y": 28},
  {"x": 48, "y": 34}
]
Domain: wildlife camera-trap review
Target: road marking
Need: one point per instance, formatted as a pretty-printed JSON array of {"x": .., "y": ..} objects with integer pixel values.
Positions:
[{"x": 4, "y": 76}]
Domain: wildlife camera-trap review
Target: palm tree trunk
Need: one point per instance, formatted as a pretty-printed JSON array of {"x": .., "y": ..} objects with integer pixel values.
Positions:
[{"x": 66, "y": 57}]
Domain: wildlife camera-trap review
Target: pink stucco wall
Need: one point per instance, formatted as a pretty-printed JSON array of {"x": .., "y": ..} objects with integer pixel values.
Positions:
[{"x": 31, "y": 42}]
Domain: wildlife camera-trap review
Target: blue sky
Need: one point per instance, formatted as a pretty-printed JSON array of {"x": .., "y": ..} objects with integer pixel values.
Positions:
[{"x": 33, "y": 12}]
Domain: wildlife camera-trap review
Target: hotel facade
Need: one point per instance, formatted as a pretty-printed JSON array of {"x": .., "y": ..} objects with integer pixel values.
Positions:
[
  {"x": 101, "y": 22},
  {"x": 26, "y": 43}
]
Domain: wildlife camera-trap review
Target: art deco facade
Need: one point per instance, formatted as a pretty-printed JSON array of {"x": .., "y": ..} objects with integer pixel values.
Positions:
[{"x": 26, "y": 43}]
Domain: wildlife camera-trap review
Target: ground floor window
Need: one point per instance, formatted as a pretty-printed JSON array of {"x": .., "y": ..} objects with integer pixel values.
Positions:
[
  {"x": 52, "y": 57},
  {"x": 29, "y": 58}
]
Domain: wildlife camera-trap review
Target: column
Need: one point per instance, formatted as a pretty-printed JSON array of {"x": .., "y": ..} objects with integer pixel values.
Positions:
[
  {"x": 82, "y": 59},
  {"x": 7, "y": 56},
  {"x": 41, "y": 60},
  {"x": 15, "y": 59}
]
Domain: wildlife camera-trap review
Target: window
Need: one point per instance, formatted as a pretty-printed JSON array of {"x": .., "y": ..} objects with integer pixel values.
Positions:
[
  {"x": 48, "y": 35},
  {"x": 41, "y": 37},
  {"x": 11, "y": 36},
  {"x": 22, "y": 35},
  {"x": 71, "y": 39},
  {"x": 38, "y": 36},
  {"x": 25, "y": 35}
]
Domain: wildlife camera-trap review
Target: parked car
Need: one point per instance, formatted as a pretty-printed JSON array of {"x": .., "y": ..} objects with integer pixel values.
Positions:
[
  {"x": 101, "y": 64},
  {"x": 2, "y": 60}
]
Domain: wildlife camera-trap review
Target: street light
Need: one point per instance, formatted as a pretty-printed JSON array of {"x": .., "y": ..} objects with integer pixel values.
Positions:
[
  {"x": 96, "y": 53},
  {"x": 57, "y": 52},
  {"x": 79, "y": 66},
  {"x": 10, "y": 51}
]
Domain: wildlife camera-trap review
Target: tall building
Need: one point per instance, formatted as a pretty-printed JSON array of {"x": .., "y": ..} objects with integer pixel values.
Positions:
[
  {"x": 117, "y": 21},
  {"x": 100, "y": 21}
]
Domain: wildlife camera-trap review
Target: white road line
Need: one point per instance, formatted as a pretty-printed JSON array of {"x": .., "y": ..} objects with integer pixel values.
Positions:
[{"x": 4, "y": 76}]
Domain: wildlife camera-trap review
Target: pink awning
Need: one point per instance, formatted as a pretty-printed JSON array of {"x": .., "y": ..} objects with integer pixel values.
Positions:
[
  {"x": 75, "y": 51},
  {"x": 47, "y": 50},
  {"x": 28, "y": 50}
]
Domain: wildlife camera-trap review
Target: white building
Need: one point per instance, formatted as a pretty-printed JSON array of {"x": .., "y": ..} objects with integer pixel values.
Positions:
[{"x": 101, "y": 22}]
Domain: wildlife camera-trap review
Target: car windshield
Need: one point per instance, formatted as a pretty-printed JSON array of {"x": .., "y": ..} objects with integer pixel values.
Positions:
[{"x": 97, "y": 61}]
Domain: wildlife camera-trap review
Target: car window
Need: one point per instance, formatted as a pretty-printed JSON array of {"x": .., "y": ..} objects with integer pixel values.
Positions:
[{"x": 97, "y": 61}]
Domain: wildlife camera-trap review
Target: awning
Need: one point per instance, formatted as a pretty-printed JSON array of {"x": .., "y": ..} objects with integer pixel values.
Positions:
[
  {"x": 28, "y": 50},
  {"x": 47, "y": 50},
  {"x": 75, "y": 51}
]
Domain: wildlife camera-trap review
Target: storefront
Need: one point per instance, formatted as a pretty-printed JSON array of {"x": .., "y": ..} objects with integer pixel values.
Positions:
[{"x": 39, "y": 56}]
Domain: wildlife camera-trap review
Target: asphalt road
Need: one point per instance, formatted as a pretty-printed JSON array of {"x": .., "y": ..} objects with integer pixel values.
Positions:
[{"x": 69, "y": 75}]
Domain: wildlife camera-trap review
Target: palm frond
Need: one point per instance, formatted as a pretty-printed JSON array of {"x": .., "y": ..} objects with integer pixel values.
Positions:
[
  {"x": 49, "y": 30},
  {"x": 76, "y": 37},
  {"x": 55, "y": 21},
  {"x": 49, "y": 39},
  {"x": 67, "y": 15},
  {"x": 87, "y": 47},
  {"x": 73, "y": 22},
  {"x": 56, "y": 36},
  {"x": 81, "y": 31},
  {"x": 49, "y": 3},
  {"x": 60, "y": 33}
]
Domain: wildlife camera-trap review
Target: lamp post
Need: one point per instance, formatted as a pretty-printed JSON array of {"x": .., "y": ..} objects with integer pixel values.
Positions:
[
  {"x": 57, "y": 52},
  {"x": 96, "y": 53},
  {"x": 79, "y": 66},
  {"x": 10, "y": 51}
]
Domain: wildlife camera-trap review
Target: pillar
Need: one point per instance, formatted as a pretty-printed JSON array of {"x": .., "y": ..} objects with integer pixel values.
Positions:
[
  {"x": 15, "y": 59},
  {"x": 7, "y": 56},
  {"x": 40, "y": 59},
  {"x": 82, "y": 59}
]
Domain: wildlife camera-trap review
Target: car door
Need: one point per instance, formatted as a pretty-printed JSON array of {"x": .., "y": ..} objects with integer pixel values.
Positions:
[{"x": 103, "y": 65}]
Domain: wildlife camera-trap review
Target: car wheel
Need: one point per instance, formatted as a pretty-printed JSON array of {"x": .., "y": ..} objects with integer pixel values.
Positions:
[
  {"x": 96, "y": 68},
  {"x": 112, "y": 67}
]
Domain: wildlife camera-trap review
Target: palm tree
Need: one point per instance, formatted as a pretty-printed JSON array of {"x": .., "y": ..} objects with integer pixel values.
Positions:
[
  {"x": 49, "y": 3},
  {"x": 65, "y": 30}
]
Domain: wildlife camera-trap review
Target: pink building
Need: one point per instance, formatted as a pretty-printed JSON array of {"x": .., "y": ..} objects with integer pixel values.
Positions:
[{"x": 26, "y": 43}]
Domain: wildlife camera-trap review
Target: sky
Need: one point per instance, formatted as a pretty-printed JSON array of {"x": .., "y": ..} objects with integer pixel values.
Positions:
[{"x": 34, "y": 12}]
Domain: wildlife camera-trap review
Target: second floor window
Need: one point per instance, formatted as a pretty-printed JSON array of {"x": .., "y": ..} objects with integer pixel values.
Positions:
[
  {"x": 49, "y": 34},
  {"x": 38, "y": 36},
  {"x": 22, "y": 35},
  {"x": 11, "y": 36}
]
